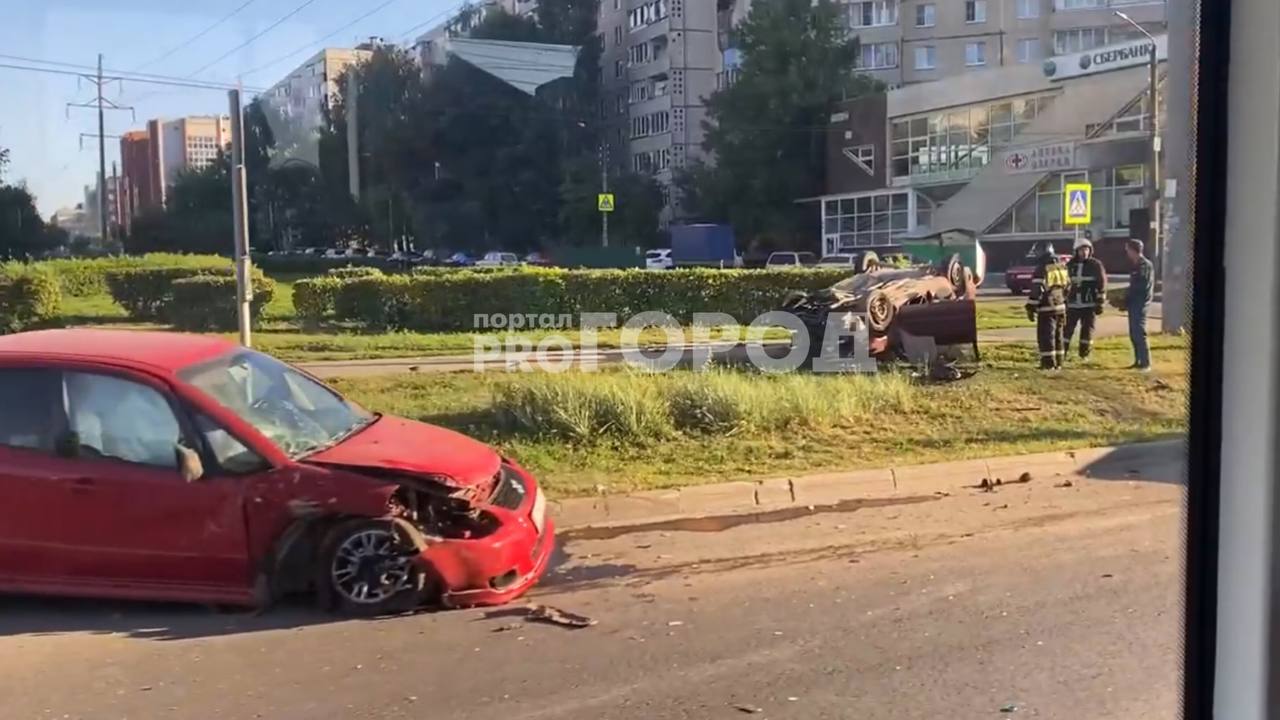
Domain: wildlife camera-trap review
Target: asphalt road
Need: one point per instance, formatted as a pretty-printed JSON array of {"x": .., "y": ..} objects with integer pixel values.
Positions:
[{"x": 1032, "y": 601}]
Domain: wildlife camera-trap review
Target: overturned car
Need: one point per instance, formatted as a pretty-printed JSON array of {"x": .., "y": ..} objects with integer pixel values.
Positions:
[{"x": 892, "y": 309}]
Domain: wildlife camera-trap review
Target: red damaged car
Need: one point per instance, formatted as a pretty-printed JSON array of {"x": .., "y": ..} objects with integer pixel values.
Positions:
[{"x": 178, "y": 467}]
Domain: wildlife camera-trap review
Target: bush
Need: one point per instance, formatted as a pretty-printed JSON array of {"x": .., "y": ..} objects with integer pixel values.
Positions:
[
  {"x": 450, "y": 300},
  {"x": 29, "y": 296},
  {"x": 81, "y": 277},
  {"x": 146, "y": 293},
  {"x": 314, "y": 264},
  {"x": 314, "y": 299},
  {"x": 208, "y": 302}
]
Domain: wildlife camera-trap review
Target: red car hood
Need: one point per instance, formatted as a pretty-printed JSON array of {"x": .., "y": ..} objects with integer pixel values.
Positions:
[{"x": 416, "y": 448}]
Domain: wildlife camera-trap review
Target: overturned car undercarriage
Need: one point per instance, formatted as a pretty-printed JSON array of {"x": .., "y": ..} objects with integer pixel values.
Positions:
[{"x": 902, "y": 313}]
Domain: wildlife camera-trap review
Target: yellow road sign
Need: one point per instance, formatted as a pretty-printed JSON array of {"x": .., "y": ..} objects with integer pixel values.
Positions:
[
  {"x": 1077, "y": 204},
  {"x": 604, "y": 202}
]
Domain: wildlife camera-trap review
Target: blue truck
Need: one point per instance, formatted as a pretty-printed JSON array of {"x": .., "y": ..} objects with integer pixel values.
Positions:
[{"x": 704, "y": 245}]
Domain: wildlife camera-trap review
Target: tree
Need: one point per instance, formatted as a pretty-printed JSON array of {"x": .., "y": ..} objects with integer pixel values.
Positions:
[
  {"x": 767, "y": 131},
  {"x": 22, "y": 231},
  {"x": 196, "y": 218},
  {"x": 635, "y": 219}
]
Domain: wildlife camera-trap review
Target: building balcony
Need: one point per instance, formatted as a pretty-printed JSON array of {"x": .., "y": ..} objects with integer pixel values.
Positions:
[
  {"x": 1147, "y": 14},
  {"x": 651, "y": 105},
  {"x": 645, "y": 33}
]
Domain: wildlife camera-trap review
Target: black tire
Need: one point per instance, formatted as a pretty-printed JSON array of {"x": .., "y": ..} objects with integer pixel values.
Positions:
[
  {"x": 373, "y": 554},
  {"x": 880, "y": 311},
  {"x": 956, "y": 275}
]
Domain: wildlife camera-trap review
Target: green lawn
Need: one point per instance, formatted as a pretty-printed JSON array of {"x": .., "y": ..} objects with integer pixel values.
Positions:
[{"x": 621, "y": 430}]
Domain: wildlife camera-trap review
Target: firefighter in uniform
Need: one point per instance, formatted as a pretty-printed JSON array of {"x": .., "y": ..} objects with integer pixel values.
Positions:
[
  {"x": 1085, "y": 296},
  {"x": 1047, "y": 306}
]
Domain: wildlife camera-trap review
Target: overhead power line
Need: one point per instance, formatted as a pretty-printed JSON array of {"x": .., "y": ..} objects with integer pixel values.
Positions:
[
  {"x": 433, "y": 19},
  {"x": 218, "y": 23},
  {"x": 117, "y": 74},
  {"x": 319, "y": 42},
  {"x": 151, "y": 80},
  {"x": 251, "y": 40}
]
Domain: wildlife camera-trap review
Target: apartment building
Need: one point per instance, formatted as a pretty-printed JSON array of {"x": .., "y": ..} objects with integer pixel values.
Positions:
[
  {"x": 298, "y": 101},
  {"x": 139, "y": 186},
  {"x": 430, "y": 51},
  {"x": 661, "y": 61}
]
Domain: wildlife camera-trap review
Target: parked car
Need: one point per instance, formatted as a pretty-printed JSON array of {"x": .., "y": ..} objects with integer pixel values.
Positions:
[
  {"x": 857, "y": 262},
  {"x": 537, "y": 259},
  {"x": 498, "y": 259},
  {"x": 183, "y": 467},
  {"x": 1018, "y": 277},
  {"x": 459, "y": 259},
  {"x": 659, "y": 259},
  {"x": 790, "y": 259}
]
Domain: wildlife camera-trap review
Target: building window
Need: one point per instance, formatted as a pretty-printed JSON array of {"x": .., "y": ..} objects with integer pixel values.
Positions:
[
  {"x": 1028, "y": 9},
  {"x": 621, "y": 104},
  {"x": 648, "y": 13},
  {"x": 617, "y": 4},
  {"x": 878, "y": 56},
  {"x": 975, "y": 54},
  {"x": 975, "y": 11},
  {"x": 864, "y": 156},
  {"x": 926, "y": 15},
  {"x": 1079, "y": 40},
  {"x": 873, "y": 13},
  {"x": 618, "y": 66},
  {"x": 1028, "y": 50},
  {"x": 867, "y": 221},
  {"x": 926, "y": 57},
  {"x": 1116, "y": 191},
  {"x": 1078, "y": 4},
  {"x": 617, "y": 35},
  {"x": 955, "y": 143}
]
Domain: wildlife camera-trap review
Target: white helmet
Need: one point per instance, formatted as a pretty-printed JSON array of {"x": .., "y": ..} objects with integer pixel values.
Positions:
[{"x": 1083, "y": 242}]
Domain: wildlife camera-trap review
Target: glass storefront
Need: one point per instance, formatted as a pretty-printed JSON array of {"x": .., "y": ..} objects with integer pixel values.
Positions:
[
  {"x": 870, "y": 220},
  {"x": 952, "y": 145},
  {"x": 1116, "y": 191}
]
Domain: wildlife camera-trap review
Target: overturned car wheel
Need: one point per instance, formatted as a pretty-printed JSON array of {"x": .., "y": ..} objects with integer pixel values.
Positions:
[
  {"x": 880, "y": 311},
  {"x": 367, "y": 569}
]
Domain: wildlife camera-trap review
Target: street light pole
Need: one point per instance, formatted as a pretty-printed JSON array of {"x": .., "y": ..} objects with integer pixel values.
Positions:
[{"x": 1153, "y": 179}]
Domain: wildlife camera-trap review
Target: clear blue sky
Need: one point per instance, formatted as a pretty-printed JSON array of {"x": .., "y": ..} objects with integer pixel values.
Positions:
[{"x": 34, "y": 125}]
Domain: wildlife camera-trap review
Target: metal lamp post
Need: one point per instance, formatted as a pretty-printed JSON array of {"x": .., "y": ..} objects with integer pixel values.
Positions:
[{"x": 1153, "y": 180}]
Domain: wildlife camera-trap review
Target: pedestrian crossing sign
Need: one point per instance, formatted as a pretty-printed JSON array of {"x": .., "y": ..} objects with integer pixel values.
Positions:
[
  {"x": 604, "y": 202},
  {"x": 1077, "y": 201}
]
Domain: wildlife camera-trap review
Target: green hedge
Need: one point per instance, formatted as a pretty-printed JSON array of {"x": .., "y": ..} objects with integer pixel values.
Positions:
[
  {"x": 80, "y": 277},
  {"x": 29, "y": 296},
  {"x": 450, "y": 301},
  {"x": 354, "y": 271},
  {"x": 315, "y": 264},
  {"x": 208, "y": 302}
]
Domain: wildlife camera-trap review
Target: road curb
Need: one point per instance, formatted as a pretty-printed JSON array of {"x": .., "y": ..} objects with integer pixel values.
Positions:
[{"x": 745, "y": 497}]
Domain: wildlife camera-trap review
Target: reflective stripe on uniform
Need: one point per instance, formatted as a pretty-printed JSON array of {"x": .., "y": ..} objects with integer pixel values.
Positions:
[
  {"x": 1053, "y": 308},
  {"x": 1082, "y": 305},
  {"x": 1050, "y": 353}
]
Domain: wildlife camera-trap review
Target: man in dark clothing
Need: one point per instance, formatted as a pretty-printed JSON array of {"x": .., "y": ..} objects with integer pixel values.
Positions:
[
  {"x": 1047, "y": 305},
  {"x": 1141, "y": 291},
  {"x": 1085, "y": 296}
]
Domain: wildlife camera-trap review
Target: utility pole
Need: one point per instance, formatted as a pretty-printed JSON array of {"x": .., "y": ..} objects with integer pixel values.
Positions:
[
  {"x": 352, "y": 100},
  {"x": 1153, "y": 177},
  {"x": 101, "y": 104},
  {"x": 1179, "y": 165},
  {"x": 604, "y": 190},
  {"x": 240, "y": 220}
]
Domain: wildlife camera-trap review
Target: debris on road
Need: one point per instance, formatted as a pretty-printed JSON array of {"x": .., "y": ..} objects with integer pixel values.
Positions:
[
  {"x": 748, "y": 709},
  {"x": 1022, "y": 479},
  {"x": 1009, "y": 708},
  {"x": 1064, "y": 484},
  {"x": 556, "y": 616},
  {"x": 675, "y": 623},
  {"x": 507, "y": 628}
]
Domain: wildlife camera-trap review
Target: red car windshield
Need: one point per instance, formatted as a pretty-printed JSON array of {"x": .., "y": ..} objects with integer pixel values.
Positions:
[{"x": 294, "y": 411}]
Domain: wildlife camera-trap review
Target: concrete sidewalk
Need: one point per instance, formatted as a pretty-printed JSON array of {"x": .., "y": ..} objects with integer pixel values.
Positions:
[{"x": 1154, "y": 462}]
